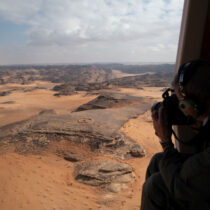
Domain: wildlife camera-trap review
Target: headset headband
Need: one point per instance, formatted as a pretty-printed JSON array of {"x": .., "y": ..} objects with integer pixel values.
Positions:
[{"x": 186, "y": 71}]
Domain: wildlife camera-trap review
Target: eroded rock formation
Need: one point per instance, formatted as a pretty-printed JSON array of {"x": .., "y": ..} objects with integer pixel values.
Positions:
[{"x": 107, "y": 174}]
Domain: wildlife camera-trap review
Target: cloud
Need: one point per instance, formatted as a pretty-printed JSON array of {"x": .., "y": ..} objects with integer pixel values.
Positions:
[
  {"x": 19, "y": 11},
  {"x": 96, "y": 23}
]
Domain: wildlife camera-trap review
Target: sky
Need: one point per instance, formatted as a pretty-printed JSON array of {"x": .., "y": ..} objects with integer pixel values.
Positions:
[{"x": 86, "y": 31}]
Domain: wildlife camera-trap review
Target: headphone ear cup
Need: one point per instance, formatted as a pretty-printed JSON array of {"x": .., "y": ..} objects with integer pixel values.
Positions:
[{"x": 189, "y": 108}]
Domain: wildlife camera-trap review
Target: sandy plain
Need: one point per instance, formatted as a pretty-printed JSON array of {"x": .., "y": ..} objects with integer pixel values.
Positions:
[{"x": 46, "y": 181}]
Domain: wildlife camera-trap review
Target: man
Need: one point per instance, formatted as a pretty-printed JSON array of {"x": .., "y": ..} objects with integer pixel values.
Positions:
[{"x": 175, "y": 180}]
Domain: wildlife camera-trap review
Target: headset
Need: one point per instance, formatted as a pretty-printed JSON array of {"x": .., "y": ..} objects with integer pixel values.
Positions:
[{"x": 187, "y": 105}]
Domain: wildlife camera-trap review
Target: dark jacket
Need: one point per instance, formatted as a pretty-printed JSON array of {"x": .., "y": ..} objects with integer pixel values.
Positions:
[{"x": 188, "y": 180}]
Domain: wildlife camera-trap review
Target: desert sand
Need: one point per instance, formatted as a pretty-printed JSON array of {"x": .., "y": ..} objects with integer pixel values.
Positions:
[
  {"x": 45, "y": 181},
  {"x": 26, "y": 104}
]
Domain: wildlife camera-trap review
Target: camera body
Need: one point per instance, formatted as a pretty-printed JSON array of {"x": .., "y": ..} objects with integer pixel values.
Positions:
[{"x": 171, "y": 105}]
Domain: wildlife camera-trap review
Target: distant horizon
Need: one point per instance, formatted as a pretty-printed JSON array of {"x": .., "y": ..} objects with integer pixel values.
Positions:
[{"x": 87, "y": 63}]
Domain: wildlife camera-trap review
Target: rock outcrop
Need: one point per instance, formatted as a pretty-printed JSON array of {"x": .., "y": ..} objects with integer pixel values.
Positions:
[
  {"x": 107, "y": 174},
  {"x": 96, "y": 128},
  {"x": 110, "y": 100},
  {"x": 5, "y": 93},
  {"x": 64, "y": 89}
]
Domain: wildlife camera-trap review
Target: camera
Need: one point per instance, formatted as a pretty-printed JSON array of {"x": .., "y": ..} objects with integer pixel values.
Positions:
[{"x": 171, "y": 106}]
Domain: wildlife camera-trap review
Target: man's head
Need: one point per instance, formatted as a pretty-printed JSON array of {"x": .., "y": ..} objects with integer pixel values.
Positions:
[{"x": 193, "y": 82}]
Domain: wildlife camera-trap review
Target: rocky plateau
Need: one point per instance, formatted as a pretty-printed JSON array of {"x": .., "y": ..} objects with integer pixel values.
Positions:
[{"x": 94, "y": 125}]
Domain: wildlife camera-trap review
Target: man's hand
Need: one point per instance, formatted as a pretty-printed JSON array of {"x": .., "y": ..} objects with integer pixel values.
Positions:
[{"x": 162, "y": 128}]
